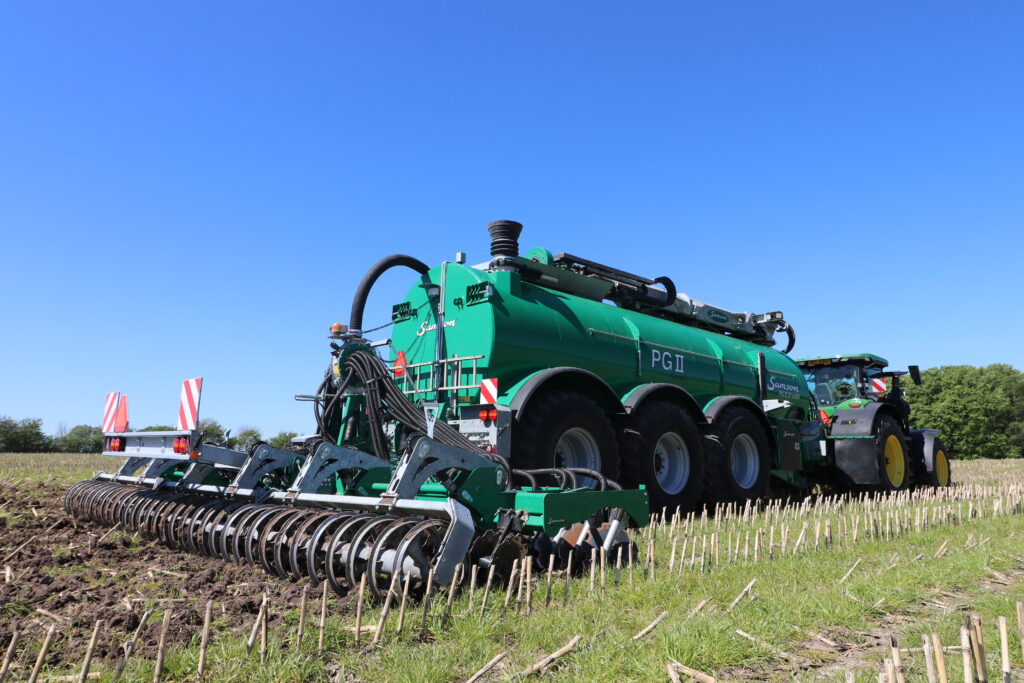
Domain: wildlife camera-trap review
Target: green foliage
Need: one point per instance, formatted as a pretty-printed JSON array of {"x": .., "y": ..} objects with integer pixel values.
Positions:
[
  {"x": 215, "y": 432},
  {"x": 246, "y": 437},
  {"x": 23, "y": 436},
  {"x": 980, "y": 410},
  {"x": 283, "y": 439},
  {"x": 81, "y": 439},
  {"x": 158, "y": 428}
]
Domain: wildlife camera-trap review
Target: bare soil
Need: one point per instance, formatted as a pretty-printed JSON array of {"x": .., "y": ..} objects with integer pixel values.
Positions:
[{"x": 73, "y": 573}]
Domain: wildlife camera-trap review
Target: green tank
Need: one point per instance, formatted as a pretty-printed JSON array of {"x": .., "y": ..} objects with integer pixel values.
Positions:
[{"x": 559, "y": 361}]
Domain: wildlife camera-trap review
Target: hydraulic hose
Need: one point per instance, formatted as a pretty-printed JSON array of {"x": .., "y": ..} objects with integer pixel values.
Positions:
[
  {"x": 381, "y": 389},
  {"x": 791, "y": 333},
  {"x": 378, "y": 269}
]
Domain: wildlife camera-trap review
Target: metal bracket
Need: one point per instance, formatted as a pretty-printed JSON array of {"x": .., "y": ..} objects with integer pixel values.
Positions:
[
  {"x": 327, "y": 460},
  {"x": 455, "y": 544},
  {"x": 264, "y": 459},
  {"x": 428, "y": 458},
  {"x": 430, "y": 412}
]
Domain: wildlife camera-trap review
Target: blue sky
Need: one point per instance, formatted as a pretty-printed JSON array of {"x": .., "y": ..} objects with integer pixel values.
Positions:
[{"x": 196, "y": 188}]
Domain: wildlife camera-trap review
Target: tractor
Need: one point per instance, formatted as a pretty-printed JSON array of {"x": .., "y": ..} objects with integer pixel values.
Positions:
[{"x": 866, "y": 427}]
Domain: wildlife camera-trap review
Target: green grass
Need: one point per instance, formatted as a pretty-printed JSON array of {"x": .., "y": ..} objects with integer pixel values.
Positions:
[
  {"x": 794, "y": 594},
  {"x": 60, "y": 468},
  {"x": 799, "y": 591}
]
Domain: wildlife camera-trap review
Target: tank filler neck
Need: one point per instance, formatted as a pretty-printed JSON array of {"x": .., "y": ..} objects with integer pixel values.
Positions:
[{"x": 504, "y": 243}]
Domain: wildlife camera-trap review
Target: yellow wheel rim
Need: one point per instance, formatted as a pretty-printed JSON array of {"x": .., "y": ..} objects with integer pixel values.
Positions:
[
  {"x": 941, "y": 468},
  {"x": 895, "y": 468}
]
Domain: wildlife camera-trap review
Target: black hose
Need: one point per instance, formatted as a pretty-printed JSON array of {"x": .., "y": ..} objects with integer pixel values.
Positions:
[
  {"x": 566, "y": 479},
  {"x": 593, "y": 474},
  {"x": 322, "y": 413},
  {"x": 525, "y": 474},
  {"x": 378, "y": 269},
  {"x": 381, "y": 389},
  {"x": 792, "y": 338}
]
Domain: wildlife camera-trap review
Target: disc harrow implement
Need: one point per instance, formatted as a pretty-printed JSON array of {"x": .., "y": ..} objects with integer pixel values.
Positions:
[{"x": 331, "y": 513}]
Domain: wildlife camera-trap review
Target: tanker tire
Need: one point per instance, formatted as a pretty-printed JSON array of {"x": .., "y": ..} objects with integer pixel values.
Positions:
[
  {"x": 664, "y": 424},
  {"x": 550, "y": 416},
  {"x": 887, "y": 431},
  {"x": 735, "y": 432}
]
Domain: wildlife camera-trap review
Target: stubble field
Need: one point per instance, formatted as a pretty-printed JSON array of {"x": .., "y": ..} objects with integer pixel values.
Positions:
[{"x": 811, "y": 590}]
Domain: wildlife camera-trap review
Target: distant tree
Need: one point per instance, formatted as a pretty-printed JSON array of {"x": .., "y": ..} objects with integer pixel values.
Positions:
[
  {"x": 246, "y": 437},
  {"x": 80, "y": 439},
  {"x": 283, "y": 439},
  {"x": 980, "y": 410},
  {"x": 157, "y": 428},
  {"x": 23, "y": 436},
  {"x": 215, "y": 432}
]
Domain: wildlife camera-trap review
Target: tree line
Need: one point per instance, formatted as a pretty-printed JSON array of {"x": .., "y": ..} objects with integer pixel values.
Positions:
[
  {"x": 27, "y": 436},
  {"x": 979, "y": 410}
]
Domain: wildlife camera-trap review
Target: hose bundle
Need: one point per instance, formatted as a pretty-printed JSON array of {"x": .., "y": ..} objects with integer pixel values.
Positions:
[{"x": 385, "y": 400}]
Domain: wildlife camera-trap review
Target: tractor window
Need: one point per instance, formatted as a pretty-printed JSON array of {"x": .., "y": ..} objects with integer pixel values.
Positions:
[{"x": 833, "y": 384}]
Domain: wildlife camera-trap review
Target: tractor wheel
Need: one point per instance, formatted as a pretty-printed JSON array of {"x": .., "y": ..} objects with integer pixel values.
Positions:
[
  {"x": 662, "y": 451},
  {"x": 893, "y": 462},
  {"x": 737, "y": 457},
  {"x": 565, "y": 429},
  {"x": 940, "y": 474}
]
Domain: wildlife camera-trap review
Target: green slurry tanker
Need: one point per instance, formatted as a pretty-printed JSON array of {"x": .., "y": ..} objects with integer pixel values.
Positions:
[{"x": 535, "y": 406}]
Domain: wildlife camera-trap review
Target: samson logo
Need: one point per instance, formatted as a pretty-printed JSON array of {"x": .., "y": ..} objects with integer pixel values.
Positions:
[
  {"x": 714, "y": 315},
  {"x": 666, "y": 361},
  {"x": 430, "y": 327},
  {"x": 782, "y": 387}
]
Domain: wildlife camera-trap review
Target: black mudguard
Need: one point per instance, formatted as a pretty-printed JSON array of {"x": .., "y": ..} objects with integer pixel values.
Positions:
[
  {"x": 857, "y": 458},
  {"x": 922, "y": 450}
]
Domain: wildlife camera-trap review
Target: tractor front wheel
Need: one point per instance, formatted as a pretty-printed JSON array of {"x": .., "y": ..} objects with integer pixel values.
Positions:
[{"x": 940, "y": 474}]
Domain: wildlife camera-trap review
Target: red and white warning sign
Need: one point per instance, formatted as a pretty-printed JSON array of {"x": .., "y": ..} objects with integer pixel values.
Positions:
[
  {"x": 110, "y": 411},
  {"x": 489, "y": 390},
  {"x": 121, "y": 417},
  {"x": 115, "y": 413},
  {"x": 400, "y": 362},
  {"x": 188, "y": 407},
  {"x": 878, "y": 386}
]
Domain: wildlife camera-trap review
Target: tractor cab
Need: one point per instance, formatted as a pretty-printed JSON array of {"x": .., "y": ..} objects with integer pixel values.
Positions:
[
  {"x": 853, "y": 381},
  {"x": 841, "y": 380}
]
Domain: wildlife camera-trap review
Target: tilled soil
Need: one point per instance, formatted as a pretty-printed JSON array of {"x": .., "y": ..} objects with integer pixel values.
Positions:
[{"x": 73, "y": 573}]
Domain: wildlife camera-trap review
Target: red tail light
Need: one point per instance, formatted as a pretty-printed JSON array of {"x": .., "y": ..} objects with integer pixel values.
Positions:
[
  {"x": 492, "y": 414},
  {"x": 483, "y": 414},
  {"x": 824, "y": 417}
]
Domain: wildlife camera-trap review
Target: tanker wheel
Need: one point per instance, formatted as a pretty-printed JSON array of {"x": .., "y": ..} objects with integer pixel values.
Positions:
[
  {"x": 893, "y": 460},
  {"x": 566, "y": 429},
  {"x": 662, "y": 451},
  {"x": 737, "y": 457},
  {"x": 940, "y": 474}
]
